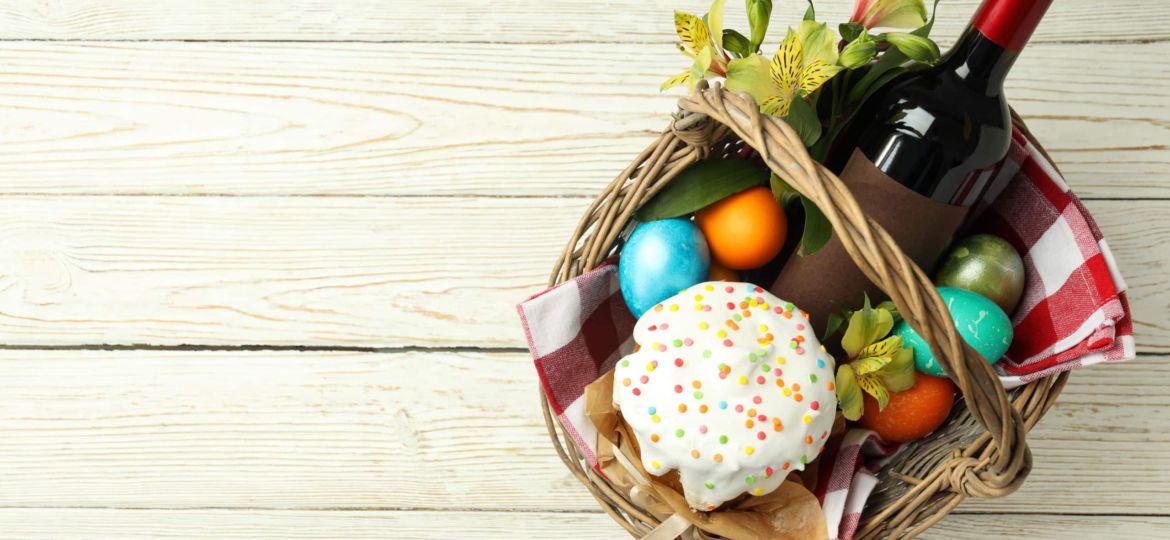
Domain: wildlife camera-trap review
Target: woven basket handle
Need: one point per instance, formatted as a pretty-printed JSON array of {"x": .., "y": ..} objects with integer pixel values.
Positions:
[{"x": 1003, "y": 470}]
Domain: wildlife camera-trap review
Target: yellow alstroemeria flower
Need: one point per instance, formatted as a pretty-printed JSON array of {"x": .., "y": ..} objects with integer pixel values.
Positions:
[
  {"x": 877, "y": 365},
  {"x": 702, "y": 43},
  {"x": 806, "y": 59}
]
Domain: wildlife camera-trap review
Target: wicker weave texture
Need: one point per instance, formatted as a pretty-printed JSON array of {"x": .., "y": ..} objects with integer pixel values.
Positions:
[{"x": 980, "y": 452}]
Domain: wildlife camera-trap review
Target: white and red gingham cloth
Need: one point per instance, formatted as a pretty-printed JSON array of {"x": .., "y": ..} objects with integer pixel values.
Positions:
[{"x": 1074, "y": 313}]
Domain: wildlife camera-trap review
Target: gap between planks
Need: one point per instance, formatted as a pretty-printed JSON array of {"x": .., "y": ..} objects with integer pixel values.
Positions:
[
  {"x": 260, "y": 347},
  {"x": 957, "y": 512},
  {"x": 406, "y": 196},
  {"x": 1118, "y": 41}
]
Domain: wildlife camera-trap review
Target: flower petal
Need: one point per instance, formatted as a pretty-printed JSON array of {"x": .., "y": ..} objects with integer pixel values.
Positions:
[
  {"x": 886, "y": 347},
  {"x": 866, "y": 326},
  {"x": 860, "y": 9},
  {"x": 898, "y": 14},
  {"x": 777, "y": 105},
  {"x": 848, "y": 393},
  {"x": 818, "y": 42},
  {"x": 898, "y": 375},
  {"x": 787, "y": 64},
  {"x": 816, "y": 74},
  {"x": 873, "y": 386},
  {"x": 715, "y": 18},
  {"x": 751, "y": 74},
  {"x": 700, "y": 67},
  {"x": 870, "y": 364},
  {"x": 674, "y": 81},
  {"x": 691, "y": 31}
]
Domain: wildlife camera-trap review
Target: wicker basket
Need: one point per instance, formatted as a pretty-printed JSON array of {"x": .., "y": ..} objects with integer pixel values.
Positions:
[{"x": 979, "y": 452}]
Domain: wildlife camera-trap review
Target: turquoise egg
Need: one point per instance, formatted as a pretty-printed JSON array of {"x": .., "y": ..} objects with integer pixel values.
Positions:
[
  {"x": 980, "y": 322},
  {"x": 660, "y": 259}
]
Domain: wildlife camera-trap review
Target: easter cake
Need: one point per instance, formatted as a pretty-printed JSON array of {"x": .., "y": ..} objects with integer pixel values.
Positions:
[{"x": 730, "y": 387}]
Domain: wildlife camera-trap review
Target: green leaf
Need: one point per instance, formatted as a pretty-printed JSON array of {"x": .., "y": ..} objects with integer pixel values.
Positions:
[
  {"x": 849, "y": 393},
  {"x": 881, "y": 81},
  {"x": 889, "y": 306},
  {"x": 850, "y": 31},
  {"x": 810, "y": 14},
  {"x": 898, "y": 375},
  {"x": 715, "y": 22},
  {"x": 803, "y": 118},
  {"x": 759, "y": 14},
  {"x": 918, "y": 48},
  {"x": 736, "y": 44},
  {"x": 925, "y": 29},
  {"x": 700, "y": 185},
  {"x": 817, "y": 229},
  {"x": 782, "y": 192},
  {"x": 873, "y": 386},
  {"x": 866, "y": 326},
  {"x": 890, "y": 60},
  {"x": 835, "y": 323}
]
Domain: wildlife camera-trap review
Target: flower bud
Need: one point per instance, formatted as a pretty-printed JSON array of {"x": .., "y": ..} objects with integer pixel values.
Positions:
[
  {"x": 917, "y": 48},
  {"x": 858, "y": 52},
  {"x": 759, "y": 14}
]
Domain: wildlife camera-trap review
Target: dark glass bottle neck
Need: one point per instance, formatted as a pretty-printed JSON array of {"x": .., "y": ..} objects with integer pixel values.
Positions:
[{"x": 979, "y": 62}]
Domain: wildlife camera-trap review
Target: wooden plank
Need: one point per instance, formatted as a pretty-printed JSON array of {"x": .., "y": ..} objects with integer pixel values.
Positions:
[
  {"x": 370, "y": 272},
  {"x": 67, "y": 524},
  {"x": 297, "y": 431},
  {"x": 79, "y": 524},
  {"x": 472, "y": 119},
  {"x": 522, "y": 21}
]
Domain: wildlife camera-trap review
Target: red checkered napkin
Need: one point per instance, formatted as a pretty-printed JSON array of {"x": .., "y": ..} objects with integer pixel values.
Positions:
[{"x": 1074, "y": 313}]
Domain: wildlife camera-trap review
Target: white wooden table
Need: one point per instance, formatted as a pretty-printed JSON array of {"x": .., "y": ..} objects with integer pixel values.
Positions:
[{"x": 258, "y": 259}]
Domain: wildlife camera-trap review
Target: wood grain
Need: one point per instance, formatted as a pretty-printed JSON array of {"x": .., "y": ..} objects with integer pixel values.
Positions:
[
  {"x": 70, "y": 524},
  {"x": 461, "y": 119},
  {"x": 430, "y": 431},
  {"x": 367, "y": 272},
  {"x": 402, "y": 188},
  {"x": 521, "y": 21}
]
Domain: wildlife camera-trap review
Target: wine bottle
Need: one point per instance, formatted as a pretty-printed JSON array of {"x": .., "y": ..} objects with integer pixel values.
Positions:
[{"x": 919, "y": 154}]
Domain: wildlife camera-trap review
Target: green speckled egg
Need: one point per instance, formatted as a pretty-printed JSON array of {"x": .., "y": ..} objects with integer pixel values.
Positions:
[
  {"x": 980, "y": 322},
  {"x": 987, "y": 265}
]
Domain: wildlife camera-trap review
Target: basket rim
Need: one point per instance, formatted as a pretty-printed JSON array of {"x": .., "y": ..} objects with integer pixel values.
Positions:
[{"x": 980, "y": 469}]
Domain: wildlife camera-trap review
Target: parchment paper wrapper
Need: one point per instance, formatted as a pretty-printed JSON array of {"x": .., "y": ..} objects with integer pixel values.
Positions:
[{"x": 791, "y": 512}]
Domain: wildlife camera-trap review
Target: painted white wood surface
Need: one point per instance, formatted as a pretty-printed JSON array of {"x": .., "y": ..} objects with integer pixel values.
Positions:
[
  {"x": 364, "y": 271},
  {"x": 426, "y": 430},
  {"x": 477, "y": 21},
  {"x": 461, "y": 119},
  {"x": 183, "y": 182},
  {"x": 47, "y": 523}
]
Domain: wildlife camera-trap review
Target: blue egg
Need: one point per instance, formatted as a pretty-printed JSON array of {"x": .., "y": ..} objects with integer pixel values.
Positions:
[
  {"x": 980, "y": 322},
  {"x": 660, "y": 259}
]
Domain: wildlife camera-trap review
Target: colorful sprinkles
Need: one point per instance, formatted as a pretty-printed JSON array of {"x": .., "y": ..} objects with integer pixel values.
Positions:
[{"x": 711, "y": 376}]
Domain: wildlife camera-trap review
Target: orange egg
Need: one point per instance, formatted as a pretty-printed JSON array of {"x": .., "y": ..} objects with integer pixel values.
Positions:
[
  {"x": 914, "y": 413},
  {"x": 745, "y": 230},
  {"x": 719, "y": 272}
]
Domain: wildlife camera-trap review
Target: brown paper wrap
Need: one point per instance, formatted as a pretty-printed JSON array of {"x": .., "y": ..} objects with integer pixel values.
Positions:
[
  {"x": 791, "y": 512},
  {"x": 922, "y": 227}
]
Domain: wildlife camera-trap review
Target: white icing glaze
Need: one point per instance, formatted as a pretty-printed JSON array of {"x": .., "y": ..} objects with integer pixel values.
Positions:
[{"x": 705, "y": 361}]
